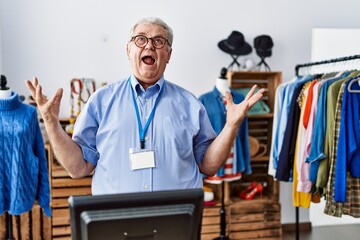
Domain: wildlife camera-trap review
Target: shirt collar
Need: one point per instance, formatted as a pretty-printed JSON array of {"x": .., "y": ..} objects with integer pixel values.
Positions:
[
  {"x": 138, "y": 89},
  {"x": 217, "y": 93},
  {"x": 10, "y": 103}
]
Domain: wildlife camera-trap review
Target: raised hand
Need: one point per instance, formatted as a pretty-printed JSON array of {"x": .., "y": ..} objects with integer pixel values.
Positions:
[
  {"x": 49, "y": 108},
  {"x": 237, "y": 112}
]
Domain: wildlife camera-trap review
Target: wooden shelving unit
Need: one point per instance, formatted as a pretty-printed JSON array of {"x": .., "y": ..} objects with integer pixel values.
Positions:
[
  {"x": 62, "y": 186},
  {"x": 257, "y": 218}
]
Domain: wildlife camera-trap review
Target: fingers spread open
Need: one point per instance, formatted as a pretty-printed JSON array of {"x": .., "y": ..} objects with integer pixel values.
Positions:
[
  {"x": 31, "y": 88},
  {"x": 256, "y": 97},
  {"x": 251, "y": 92}
]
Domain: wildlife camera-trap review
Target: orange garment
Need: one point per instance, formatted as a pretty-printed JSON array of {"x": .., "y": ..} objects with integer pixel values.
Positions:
[{"x": 308, "y": 104}]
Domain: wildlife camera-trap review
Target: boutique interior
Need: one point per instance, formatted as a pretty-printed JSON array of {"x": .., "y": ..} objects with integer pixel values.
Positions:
[{"x": 294, "y": 166}]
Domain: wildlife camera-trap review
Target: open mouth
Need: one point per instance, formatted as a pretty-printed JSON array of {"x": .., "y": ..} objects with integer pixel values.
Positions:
[{"x": 149, "y": 60}]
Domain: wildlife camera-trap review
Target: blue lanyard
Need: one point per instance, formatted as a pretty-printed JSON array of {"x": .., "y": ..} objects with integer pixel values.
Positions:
[{"x": 142, "y": 130}]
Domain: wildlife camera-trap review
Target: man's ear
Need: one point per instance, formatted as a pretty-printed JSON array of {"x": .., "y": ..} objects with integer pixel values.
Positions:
[
  {"x": 170, "y": 51},
  {"x": 128, "y": 51}
]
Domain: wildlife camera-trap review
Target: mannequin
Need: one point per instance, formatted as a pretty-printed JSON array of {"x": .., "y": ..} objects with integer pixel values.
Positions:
[
  {"x": 5, "y": 92},
  {"x": 228, "y": 173},
  {"x": 222, "y": 83},
  {"x": 24, "y": 171}
]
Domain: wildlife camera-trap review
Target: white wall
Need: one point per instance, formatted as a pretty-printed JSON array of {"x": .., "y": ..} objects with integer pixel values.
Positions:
[{"x": 59, "y": 40}]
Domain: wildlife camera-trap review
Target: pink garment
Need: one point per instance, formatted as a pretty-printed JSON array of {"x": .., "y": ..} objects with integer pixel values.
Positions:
[{"x": 305, "y": 183}]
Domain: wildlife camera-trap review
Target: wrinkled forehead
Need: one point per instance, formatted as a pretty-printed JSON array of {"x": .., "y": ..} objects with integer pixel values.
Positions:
[{"x": 150, "y": 30}]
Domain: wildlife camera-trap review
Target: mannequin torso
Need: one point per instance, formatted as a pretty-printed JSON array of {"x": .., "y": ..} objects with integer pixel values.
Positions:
[{"x": 222, "y": 85}]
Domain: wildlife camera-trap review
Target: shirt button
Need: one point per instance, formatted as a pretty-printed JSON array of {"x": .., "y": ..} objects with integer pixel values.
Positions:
[
  {"x": 146, "y": 186},
  {"x": 146, "y": 138}
]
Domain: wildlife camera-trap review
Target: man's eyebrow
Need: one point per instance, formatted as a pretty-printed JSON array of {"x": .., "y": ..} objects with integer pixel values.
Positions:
[
  {"x": 144, "y": 34},
  {"x": 140, "y": 33}
]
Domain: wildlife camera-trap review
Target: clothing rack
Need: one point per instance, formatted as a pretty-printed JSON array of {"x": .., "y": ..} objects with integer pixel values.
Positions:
[
  {"x": 306, "y": 65},
  {"x": 329, "y": 61}
]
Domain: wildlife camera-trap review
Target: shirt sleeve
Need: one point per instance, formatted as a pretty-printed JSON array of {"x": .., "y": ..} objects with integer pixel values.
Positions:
[
  {"x": 85, "y": 130},
  {"x": 204, "y": 137}
]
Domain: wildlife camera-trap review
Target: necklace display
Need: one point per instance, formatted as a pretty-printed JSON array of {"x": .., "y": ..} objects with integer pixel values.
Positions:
[
  {"x": 76, "y": 87},
  {"x": 81, "y": 90},
  {"x": 89, "y": 88}
]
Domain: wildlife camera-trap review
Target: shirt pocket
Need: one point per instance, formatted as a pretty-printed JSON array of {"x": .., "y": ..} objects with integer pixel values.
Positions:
[{"x": 178, "y": 134}]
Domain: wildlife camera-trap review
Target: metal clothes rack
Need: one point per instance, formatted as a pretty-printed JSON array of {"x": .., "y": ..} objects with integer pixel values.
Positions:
[
  {"x": 306, "y": 65},
  {"x": 329, "y": 61}
]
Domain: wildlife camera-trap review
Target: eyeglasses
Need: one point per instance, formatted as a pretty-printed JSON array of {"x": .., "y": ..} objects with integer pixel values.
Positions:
[{"x": 141, "y": 41}]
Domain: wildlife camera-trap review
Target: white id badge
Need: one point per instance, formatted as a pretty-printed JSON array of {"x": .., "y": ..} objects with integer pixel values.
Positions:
[{"x": 140, "y": 159}]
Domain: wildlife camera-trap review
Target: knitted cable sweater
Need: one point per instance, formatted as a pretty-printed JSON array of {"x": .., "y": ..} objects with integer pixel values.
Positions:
[{"x": 23, "y": 163}]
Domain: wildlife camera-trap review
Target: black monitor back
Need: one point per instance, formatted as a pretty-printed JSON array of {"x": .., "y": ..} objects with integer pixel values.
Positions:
[{"x": 139, "y": 216}]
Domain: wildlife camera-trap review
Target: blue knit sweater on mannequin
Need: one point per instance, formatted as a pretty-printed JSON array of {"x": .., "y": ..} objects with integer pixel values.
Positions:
[{"x": 23, "y": 163}]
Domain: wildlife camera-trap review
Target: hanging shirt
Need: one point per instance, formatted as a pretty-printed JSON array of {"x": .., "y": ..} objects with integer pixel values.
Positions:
[
  {"x": 332, "y": 95},
  {"x": 348, "y": 157},
  {"x": 217, "y": 113},
  {"x": 317, "y": 139},
  {"x": 310, "y": 130},
  {"x": 332, "y": 207},
  {"x": 300, "y": 199},
  {"x": 286, "y": 154},
  {"x": 24, "y": 174},
  {"x": 285, "y": 129},
  {"x": 179, "y": 134},
  {"x": 306, "y": 126},
  {"x": 278, "y": 106}
]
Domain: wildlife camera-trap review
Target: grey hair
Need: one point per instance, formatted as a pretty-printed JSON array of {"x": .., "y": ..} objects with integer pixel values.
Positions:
[{"x": 156, "y": 21}]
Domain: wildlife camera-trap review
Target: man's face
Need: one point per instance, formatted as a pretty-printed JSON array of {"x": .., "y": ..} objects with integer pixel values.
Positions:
[{"x": 148, "y": 63}]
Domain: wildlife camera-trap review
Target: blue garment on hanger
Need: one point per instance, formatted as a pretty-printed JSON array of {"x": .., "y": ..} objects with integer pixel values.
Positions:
[{"x": 348, "y": 155}]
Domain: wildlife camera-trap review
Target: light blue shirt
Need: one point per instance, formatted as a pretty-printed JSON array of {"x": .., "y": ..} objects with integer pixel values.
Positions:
[
  {"x": 283, "y": 116},
  {"x": 179, "y": 134},
  {"x": 279, "y": 100}
]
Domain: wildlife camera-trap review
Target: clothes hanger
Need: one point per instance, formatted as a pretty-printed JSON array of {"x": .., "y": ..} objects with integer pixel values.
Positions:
[{"x": 352, "y": 81}]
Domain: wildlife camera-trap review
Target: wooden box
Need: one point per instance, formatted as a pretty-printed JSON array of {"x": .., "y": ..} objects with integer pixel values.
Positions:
[
  {"x": 211, "y": 222},
  {"x": 30, "y": 225},
  {"x": 62, "y": 186},
  {"x": 255, "y": 219}
]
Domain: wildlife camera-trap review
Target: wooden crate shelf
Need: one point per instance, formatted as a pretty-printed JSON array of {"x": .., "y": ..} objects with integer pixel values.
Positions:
[
  {"x": 256, "y": 218},
  {"x": 62, "y": 186}
]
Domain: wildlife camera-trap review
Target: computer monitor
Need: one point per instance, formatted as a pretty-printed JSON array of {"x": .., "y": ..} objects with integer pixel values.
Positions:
[{"x": 161, "y": 215}]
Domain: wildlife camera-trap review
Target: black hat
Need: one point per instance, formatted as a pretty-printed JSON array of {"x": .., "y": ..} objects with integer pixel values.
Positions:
[
  {"x": 263, "y": 45},
  {"x": 235, "y": 44}
]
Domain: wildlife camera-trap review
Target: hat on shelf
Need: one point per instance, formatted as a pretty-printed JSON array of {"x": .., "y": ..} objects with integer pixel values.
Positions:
[
  {"x": 263, "y": 45},
  {"x": 235, "y": 44}
]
